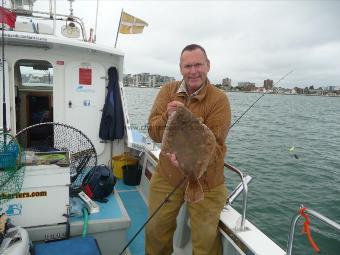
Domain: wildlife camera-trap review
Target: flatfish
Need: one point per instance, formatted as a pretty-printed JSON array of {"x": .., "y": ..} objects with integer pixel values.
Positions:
[{"x": 193, "y": 144}]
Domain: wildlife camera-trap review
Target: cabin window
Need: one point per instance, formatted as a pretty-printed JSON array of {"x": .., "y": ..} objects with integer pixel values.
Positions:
[
  {"x": 35, "y": 73},
  {"x": 33, "y": 94}
]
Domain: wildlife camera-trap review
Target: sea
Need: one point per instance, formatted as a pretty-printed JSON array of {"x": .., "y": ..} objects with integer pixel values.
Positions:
[{"x": 290, "y": 145}]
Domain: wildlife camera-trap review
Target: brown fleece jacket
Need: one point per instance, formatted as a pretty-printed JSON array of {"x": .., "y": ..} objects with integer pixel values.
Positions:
[{"x": 212, "y": 105}]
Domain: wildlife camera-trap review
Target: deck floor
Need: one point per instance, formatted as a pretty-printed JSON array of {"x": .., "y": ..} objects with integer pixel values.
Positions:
[{"x": 138, "y": 212}]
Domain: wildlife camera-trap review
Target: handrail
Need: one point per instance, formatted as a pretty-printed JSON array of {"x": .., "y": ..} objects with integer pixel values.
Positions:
[
  {"x": 313, "y": 213},
  {"x": 238, "y": 190},
  {"x": 245, "y": 193},
  {"x": 62, "y": 17}
]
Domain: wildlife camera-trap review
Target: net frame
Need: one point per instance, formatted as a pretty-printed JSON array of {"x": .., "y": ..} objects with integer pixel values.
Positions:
[{"x": 83, "y": 154}]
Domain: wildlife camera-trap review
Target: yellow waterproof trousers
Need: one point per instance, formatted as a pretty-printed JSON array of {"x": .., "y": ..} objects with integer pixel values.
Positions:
[{"x": 204, "y": 218}]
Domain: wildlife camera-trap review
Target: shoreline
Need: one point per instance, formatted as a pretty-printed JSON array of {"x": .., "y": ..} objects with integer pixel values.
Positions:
[{"x": 250, "y": 92}]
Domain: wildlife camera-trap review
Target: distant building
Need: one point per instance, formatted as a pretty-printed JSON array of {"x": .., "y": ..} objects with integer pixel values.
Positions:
[
  {"x": 268, "y": 84},
  {"x": 164, "y": 79},
  {"x": 226, "y": 83},
  {"x": 330, "y": 88},
  {"x": 336, "y": 90},
  {"x": 128, "y": 80},
  {"x": 246, "y": 86},
  {"x": 145, "y": 80},
  {"x": 297, "y": 90}
]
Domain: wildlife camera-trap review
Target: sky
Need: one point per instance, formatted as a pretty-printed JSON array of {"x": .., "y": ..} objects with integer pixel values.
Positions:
[{"x": 245, "y": 40}]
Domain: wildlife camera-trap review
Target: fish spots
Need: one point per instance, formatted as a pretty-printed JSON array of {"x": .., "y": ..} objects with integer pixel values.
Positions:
[{"x": 193, "y": 143}]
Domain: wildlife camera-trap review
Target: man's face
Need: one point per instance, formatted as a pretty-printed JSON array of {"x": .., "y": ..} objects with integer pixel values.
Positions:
[{"x": 194, "y": 67}]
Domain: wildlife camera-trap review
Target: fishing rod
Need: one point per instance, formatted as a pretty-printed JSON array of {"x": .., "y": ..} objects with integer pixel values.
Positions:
[
  {"x": 154, "y": 213},
  {"x": 258, "y": 99},
  {"x": 182, "y": 180}
]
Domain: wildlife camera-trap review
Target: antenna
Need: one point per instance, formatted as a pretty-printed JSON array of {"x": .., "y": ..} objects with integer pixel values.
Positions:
[
  {"x": 70, "y": 30},
  {"x": 95, "y": 27},
  {"x": 71, "y": 9}
]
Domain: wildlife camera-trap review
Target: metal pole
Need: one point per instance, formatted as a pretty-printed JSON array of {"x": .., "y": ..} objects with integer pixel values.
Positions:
[
  {"x": 120, "y": 19},
  {"x": 50, "y": 7},
  {"x": 324, "y": 219},
  {"x": 317, "y": 215},
  {"x": 54, "y": 17},
  {"x": 95, "y": 26},
  {"x": 4, "y": 117},
  {"x": 291, "y": 234},
  {"x": 245, "y": 194}
]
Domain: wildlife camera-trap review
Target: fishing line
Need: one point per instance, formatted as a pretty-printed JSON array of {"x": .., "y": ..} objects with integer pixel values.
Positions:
[
  {"x": 166, "y": 199},
  {"x": 178, "y": 185},
  {"x": 181, "y": 181},
  {"x": 283, "y": 77}
]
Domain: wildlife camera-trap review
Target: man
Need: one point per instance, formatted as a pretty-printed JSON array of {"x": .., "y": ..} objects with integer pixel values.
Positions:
[{"x": 211, "y": 104}]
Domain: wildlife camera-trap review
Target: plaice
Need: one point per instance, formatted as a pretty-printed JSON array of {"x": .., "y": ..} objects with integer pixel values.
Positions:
[{"x": 193, "y": 144}]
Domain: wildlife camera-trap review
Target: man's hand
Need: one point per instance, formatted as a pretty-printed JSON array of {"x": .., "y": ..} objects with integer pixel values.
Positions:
[
  {"x": 173, "y": 159},
  {"x": 172, "y": 107}
]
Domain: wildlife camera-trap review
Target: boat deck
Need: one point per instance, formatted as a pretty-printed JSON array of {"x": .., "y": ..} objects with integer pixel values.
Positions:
[
  {"x": 137, "y": 211},
  {"x": 69, "y": 247}
]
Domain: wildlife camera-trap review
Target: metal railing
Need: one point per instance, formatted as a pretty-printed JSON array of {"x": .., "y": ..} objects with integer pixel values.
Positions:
[
  {"x": 245, "y": 193},
  {"x": 56, "y": 16},
  {"x": 310, "y": 212},
  {"x": 243, "y": 187}
]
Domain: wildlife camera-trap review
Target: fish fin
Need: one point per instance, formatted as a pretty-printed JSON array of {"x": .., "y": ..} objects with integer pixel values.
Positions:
[{"x": 193, "y": 192}]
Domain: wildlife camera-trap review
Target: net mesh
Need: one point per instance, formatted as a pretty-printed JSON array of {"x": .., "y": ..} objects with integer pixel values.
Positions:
[
  {"x": 51, "y": 136},
  {"x": 11, "y": 169}
]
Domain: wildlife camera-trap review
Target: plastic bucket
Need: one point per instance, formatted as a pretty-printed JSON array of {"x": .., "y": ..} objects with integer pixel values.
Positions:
[
  {"x": 122, "y": 160},
  {"x": 132, "y": 175}
]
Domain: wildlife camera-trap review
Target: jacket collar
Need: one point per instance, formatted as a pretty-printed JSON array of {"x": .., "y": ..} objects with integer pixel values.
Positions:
[{"x": 198, "y": 94}]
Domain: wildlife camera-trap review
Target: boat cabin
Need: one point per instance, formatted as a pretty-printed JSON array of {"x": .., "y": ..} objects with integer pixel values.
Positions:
[{"x": 55, "y": 81}]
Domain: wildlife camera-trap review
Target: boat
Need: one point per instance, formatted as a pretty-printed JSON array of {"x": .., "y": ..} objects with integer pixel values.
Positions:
[{"x": 72, "y": 97}]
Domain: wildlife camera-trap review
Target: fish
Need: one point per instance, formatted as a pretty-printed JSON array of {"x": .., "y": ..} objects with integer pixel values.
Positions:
[{"x": 193, "y": 143}]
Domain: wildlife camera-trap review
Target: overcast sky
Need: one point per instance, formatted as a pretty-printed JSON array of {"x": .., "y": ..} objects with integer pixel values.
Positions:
[{"x": 244, "y": 40}]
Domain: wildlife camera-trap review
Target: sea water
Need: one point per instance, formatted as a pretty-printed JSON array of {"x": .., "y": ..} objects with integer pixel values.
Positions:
[{"x": 290, "y": 145}]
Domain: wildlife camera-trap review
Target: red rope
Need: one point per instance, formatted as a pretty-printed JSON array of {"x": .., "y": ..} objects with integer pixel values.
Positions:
[{"x": 306, "y": 229}]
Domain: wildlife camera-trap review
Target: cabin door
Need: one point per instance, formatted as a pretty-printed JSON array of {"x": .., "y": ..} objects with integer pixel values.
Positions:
[
  {"x": 85, "y": 96},
  {"x": 7, "y": 99}
]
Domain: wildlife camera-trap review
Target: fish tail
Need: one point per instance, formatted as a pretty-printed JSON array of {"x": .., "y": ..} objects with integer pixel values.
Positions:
[{"x": 193, "y": 192}]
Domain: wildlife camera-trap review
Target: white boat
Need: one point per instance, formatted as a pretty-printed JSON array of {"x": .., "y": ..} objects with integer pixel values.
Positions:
[{"x": 74, "y": 95}]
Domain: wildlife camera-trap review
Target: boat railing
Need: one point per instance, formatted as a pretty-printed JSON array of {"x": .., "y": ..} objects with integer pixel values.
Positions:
[
  {"x": 151, "y": 144},
  {"x": 317, "y": 215},
  {"x": 244, "y": 189},
  {"x": 64, "y": 17},
  {"x": 241, "y": 188},
  {"x": 55, "y": 17}
]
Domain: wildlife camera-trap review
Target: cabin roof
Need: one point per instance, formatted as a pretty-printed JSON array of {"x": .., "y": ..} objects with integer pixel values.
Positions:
[{"x": 49, "y": 41}]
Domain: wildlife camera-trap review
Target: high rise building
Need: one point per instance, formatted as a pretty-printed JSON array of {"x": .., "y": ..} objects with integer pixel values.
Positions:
[
  {"x": 146, "y": 80},
  {"x": 226, "y": 83},
  {"x": 268, "y": 84}
]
